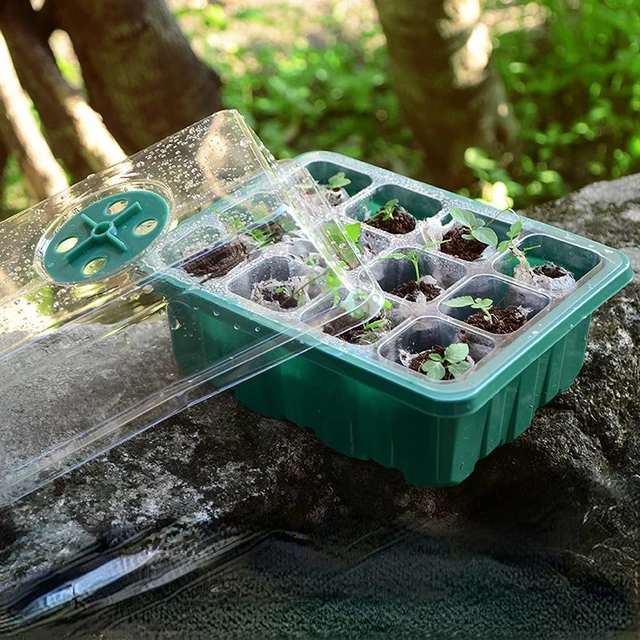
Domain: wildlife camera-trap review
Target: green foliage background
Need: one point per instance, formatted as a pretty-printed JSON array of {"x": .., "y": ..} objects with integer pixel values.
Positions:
[{"x": 574, "y": 82}]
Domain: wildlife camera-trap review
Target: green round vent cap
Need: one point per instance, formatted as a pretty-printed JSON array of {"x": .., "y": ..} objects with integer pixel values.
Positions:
[{"x": 103, "y": 237}]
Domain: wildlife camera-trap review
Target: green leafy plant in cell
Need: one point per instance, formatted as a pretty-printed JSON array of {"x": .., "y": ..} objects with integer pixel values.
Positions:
[
  {"x": 333, "y": 233},
  {"x": 414, "y": 256},
  {"x": 375, "y": 328},
  {"x": 262, "y": 238},
  {"x": 478, "y": 229},
  {"x": 386, "y": 211},
  {"x": 339, "y": 181},
  {"x": 510, "y": 245},
  {"x": 482, "y": 304},
  {"x": 313, "y": 260},
  {"x": 454, "y": 362}
]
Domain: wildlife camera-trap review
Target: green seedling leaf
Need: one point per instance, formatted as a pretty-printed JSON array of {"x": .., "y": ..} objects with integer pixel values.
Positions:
[
  {"x": 376, "y": 325},
  {"x": 434, "y": 370},
  {"x": 339, "y": 180},
  {"x": 387, "y": 210},
  {"x": 413, "y": 256},
  {"x": 386, "y": 304},
  {"x": 353, "y": 231},
  {"x": 463, "y": 217},
  {"x": 435, "y": 244},
  {"x": 336, "y": 238},
  {"x": 484, "y": 304},
  {"x": 462, "y": 301},
  {"x": 503, "y": 246},
  {"x": 485, "y": 235},
  {"x": 458, "y": 369},
  {"x": 515, "y": 229},
  {"x": 435, "y": 356},
  {"x": 456, "y": 353}
]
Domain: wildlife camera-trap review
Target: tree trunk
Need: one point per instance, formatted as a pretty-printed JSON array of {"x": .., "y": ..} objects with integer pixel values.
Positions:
[
  {"x": 20, "y": 132},
  {"x": 139, "y": 70},
  {"x": 452, "y": 96},
  {"x": 4, "y": 157},
  {"x": 77, "y": 130}
]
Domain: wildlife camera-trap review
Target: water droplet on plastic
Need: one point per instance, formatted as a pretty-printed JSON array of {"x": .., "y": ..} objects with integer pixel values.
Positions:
[
  {"x": 216, "y": 313},
  {"x": 257, "y": 328},
  {"x": 236, "y": 326}
]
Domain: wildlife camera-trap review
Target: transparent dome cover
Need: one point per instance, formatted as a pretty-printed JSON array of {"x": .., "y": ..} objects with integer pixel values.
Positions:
[{"x": 185, "y": 269}]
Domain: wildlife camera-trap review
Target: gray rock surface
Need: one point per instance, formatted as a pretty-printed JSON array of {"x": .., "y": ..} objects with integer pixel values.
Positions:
[{"x": 543, "y": 538}]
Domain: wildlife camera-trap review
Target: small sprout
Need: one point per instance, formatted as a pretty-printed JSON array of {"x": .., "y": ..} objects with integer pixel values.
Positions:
[
  {"x": 336, "y": 237},
  {"x": 454, "y": 361},
  {"x": 339, "y": 181},
  {"x": 262, "y": 239},
  {"x": 512, "y": 235},
  {"x": 413, "y": 256},
  {"x": 477, "y": 228},
  {"x": 332, "y": 285},
  {"x": 387, "y": 210},
  {"x": 313, "y": 261},
  {"x": 376, "y": 327},
  {"x": 510, "y": 245},
  {"x": 483, "y": 304}
]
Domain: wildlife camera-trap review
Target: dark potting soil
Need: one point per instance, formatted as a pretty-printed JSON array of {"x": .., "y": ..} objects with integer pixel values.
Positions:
[
  {"x": 353, "y": 335},
  {"x": 400, "y": 222},
  {"x": 283, "y": 298},
  {"x": 550, "y": 270},
  {"x": 417, "y": 362},
  {"x": 504, "y": 320},
  {"x": 457, "y": 246},
  {"x": 217, "y": 263},
  {"x": 409, "y": 290}
]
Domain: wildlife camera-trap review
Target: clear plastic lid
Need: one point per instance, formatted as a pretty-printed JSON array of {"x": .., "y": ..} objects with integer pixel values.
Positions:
[{"x": 187, "y": 268}]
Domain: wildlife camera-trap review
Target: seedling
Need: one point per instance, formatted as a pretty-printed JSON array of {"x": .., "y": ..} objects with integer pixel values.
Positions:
[
  {"x": 313, "y": 260},
  {"x": 483, "y": 304},
  {"x": 516, "y": 252},
  {"x": 414, "y": 256},
  {"x": 376, "y": 325},
  {"x": 454, "y": 362},
  {"x": 286, "y": 289},
  {"x": 339, "y": 181},
  {"x": 354, "y": 304},
  {"x": 261, "y": 238},
  {"x": 478, "y": 230},
  {"x": 333, "y": 233},
  {"x": 386, "y": 212}
]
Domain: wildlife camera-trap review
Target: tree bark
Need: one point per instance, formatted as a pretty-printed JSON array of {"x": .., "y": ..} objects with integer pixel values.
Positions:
[
  {"x": 450, "y": 92},
  {"x": 4, "y": 157},
  {"x": 139, "y": 70},
  {"x": 20, "y": 131},
  {"x": 76, "y": 130}
]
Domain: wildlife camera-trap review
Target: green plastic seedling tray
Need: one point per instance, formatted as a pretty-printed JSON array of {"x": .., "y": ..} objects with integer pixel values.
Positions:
[{"x": 359, "y": 399}]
